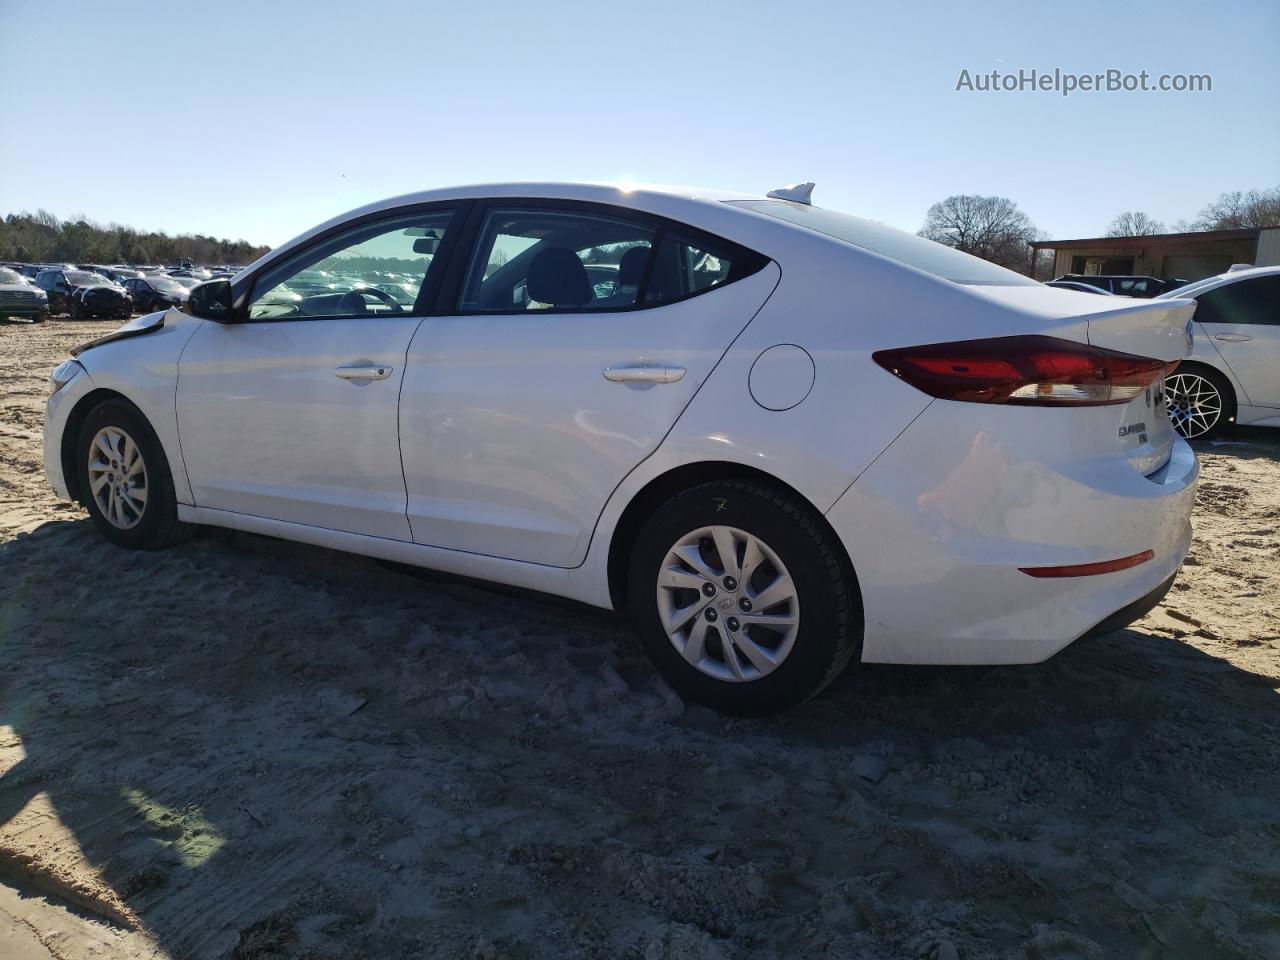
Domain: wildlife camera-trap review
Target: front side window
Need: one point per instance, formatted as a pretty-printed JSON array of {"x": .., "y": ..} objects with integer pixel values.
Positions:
[
  {"x": 1246, "y": 301},
  {"x": 375, "y": 270},
  {"x": 531, "y": 259}
]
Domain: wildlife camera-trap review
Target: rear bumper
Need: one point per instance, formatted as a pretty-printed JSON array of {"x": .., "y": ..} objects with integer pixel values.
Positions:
[
  {"x": 938, "y": 526},
  {"x": 1134, "y": 611}
]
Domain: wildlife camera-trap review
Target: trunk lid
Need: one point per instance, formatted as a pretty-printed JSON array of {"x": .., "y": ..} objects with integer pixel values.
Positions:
[{"x": 1140, "y": 430}]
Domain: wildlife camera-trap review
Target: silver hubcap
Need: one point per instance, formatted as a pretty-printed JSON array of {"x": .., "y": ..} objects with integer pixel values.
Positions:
[
  {"x": 1195, "y": 405},
  {"x": 728, "y": 603},
  {"x": 118, "y": 477}
]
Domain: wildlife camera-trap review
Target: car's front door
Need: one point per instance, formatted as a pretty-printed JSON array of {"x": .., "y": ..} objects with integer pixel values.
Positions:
[
  {"x": 292, "y": 413},
  {"x": 1243, "y": 318},
  {"x": 578, "y": 337}
]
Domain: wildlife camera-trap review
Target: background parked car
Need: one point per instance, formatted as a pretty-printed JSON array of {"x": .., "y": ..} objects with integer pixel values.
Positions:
[
  {"x": 19, "y": 298},
  {"x": 81, "y": 293},
  {"x": 155, "y": 293},
  {"x": 54, "y": 282},
  {"x": 1125, "y": 286},
  {"x": 104, "y": 299},
  {"x": 1233, "y": 374}
]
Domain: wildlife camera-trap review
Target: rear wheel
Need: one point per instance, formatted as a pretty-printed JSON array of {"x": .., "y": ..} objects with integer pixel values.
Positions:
[
  {"x": 741, "y": 598},
  {"x": 1201, "y": 401},
  {"x": 125, "y": 481}
]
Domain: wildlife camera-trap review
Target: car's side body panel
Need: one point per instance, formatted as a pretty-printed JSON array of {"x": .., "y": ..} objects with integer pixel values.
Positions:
[
  {"x": 144, "y": 370},
  {"x": 511, "y": 435},
  {"x": 270, "y": 428}
]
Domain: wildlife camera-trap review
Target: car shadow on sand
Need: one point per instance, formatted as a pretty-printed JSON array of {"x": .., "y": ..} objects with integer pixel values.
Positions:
[{"x": 250, "y": 748}]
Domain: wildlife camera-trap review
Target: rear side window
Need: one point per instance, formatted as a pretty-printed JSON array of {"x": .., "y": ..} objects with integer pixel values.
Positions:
[
  {"x": 684, "y": 267},
  {"x": 1245, "y": 301},
  {"x": 549, "y": 259},
  {"x": 907, "y": 248},
  {"x": 563, "y": 259}
]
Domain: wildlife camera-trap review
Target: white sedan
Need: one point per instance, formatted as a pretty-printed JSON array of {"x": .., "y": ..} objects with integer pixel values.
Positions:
[
  {"x": 1233, "y": 376},
  {"x": 782, "y": 438}
]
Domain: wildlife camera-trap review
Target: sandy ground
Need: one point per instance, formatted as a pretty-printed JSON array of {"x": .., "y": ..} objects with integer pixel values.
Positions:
[{"x": 245, "y": 749}]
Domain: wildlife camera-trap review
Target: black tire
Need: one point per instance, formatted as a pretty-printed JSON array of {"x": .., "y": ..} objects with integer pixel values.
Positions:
[
  {"x": 73, "y": 310},
  {"x": 158, "y": 526},
  {"x": 829, "y": 632},
  {"x": 1191, "y": 428}
]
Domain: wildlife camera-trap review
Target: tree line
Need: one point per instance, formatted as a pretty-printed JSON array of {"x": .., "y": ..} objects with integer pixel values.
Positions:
[
  {"x": 41, "y": 237},
  {"x": 995, "y": 229}
]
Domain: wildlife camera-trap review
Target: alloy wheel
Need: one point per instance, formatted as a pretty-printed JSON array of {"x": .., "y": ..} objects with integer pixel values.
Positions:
[
  {"x": 1195, "y": 404},
  {"x": 118, "y": 477},
  {"x": 728, "y": 603}
]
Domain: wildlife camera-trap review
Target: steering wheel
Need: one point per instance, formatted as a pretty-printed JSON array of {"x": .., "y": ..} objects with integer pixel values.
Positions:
[{"x": 353, "y": 300}]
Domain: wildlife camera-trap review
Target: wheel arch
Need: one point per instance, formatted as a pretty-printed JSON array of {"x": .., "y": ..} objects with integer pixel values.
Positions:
[
  {"x": 667, "y": 485},
  {"x": 71, "y": 432}
]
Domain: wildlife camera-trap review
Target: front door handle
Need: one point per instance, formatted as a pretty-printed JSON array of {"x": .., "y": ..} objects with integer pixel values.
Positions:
[
  {"x": 644, "y": 374},
  {"x": 363, "y": 372},
  {"x": 1231, "y": 337}
]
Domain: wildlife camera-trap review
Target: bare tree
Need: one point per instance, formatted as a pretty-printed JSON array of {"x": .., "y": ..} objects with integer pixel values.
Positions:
[
  {"x": 1234, "y": 211},
  {"x": 992, "y": 228},
  {"x": 1134, "y": 223}
]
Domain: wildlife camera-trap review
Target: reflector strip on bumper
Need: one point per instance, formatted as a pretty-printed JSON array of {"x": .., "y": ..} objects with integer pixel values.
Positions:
[{"x": 1089, "y": 569}]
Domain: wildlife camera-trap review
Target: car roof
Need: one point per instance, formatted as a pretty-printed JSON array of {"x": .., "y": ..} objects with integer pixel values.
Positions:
[{"x": 680, "y": 203}]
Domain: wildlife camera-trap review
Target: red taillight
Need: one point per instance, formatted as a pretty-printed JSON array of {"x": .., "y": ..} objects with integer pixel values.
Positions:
[
  {"x": 1089, "y": 569},
  {"x": 1024, "y": 370}
]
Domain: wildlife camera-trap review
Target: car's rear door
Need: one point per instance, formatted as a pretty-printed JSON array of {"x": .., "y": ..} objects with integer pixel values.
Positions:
[
  {"x": 292, "y": 414},
  {"x": 536, "y": 390},
  {"x": 1243, "y": 319}
]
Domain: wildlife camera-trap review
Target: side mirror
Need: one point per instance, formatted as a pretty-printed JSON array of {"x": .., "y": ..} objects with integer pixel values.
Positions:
[{"x": 210, "y": 301}]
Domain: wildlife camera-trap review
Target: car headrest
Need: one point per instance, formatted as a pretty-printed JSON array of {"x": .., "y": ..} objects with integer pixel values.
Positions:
[
  {"x": 631, "y": 266},
  {"x": 557, "y": 276}
]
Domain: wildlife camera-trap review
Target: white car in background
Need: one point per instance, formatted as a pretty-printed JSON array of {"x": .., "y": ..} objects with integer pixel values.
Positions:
[
  {"x": 781, "y": 437},
  {"x": 1233, "y": 375}
]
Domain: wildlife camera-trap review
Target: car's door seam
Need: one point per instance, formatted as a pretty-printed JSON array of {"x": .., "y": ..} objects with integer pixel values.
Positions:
[{"x": 661, "y": 440}]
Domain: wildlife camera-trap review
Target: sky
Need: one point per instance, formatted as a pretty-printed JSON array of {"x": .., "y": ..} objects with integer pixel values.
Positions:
[{"x": 257, "y": 120}]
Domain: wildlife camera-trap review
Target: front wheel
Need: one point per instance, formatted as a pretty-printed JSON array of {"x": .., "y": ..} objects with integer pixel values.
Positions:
[
  {"x": 124, "y": 479},
  {"x": 73, "y": 310},
  {"x": 1201, "y": 402},
  {"x": 741, "y": 598}
]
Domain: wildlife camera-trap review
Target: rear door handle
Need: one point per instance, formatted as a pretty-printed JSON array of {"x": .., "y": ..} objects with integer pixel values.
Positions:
[
  {"x": 363, "y": 372},
  {"x": 1231, "y": 337},
  {"x": 644, "y": 374}
]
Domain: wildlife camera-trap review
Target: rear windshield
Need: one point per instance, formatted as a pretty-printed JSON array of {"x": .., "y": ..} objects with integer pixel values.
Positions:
[{"x": 934, "y": 258}]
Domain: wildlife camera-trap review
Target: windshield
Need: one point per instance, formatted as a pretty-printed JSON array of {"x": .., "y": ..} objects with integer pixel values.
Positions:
[
  {"x": 84, "y": 277},
  {"x": 9, "y": 276},
  {"x": 934, "y": 258},
  {"x": 165, "y": 285}
]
